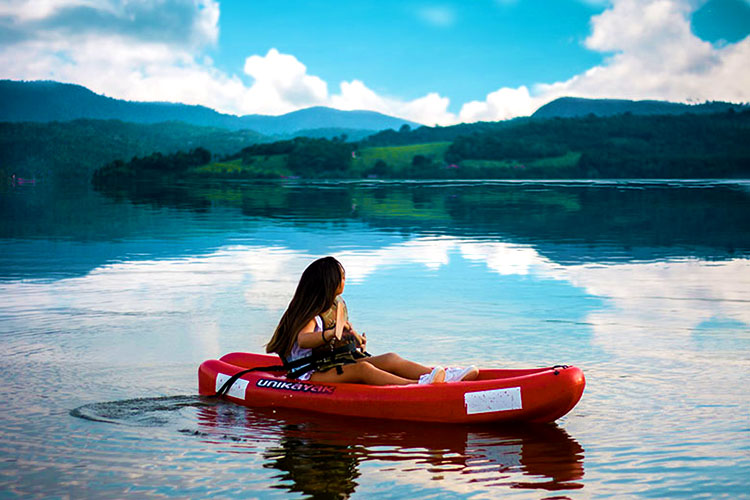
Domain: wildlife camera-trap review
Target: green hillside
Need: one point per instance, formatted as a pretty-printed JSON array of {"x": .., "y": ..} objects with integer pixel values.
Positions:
[
  {"x": 70, "y": 152},
  {"x": 399, "y": 161},
  {"x": 623, "y": 146}
]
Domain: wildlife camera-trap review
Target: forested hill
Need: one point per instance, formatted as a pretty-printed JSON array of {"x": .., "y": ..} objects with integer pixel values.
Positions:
[
  {"x": 53, "y": 101},
  {"x": 421, "y": 135},
  {"x": 626, "y": 145},
  {"x": 71, "y": 151},
  {"x": 686, "y": 145},
  {"x": 622, "y": 146},
  {"x": 590, "y": 147},
  {"x": 568, "y": 107}
]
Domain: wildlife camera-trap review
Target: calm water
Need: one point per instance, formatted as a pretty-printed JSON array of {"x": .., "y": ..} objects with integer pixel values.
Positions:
[{"x": 110, "y": 300}]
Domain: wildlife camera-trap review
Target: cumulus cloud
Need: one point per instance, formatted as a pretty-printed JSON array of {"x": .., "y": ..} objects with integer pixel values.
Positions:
[
  {"x": 656, "y": 55},
  {"x": 142, "y": 50},
  {"x": 281, "y": 84},
  {"x": 653, "y": 54},
  {"x": 137, "y": 50},
  {"x": 151, "y": 51},
  {"x": 186, "y": 23},
  {"x": 431, "y": 109},
  {"x": 500, "y": 105}
]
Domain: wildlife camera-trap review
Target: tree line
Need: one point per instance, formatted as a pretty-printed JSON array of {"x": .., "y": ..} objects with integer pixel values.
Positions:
[
  {"x": 153, "y": 165},
  {"x": 670, "y": 146},
  {"x": 305, "y": 156},
  {"x": 621, "y": 146}
]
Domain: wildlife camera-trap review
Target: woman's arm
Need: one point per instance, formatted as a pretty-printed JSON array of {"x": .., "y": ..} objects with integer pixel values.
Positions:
[{"x": 308, "y": 338}]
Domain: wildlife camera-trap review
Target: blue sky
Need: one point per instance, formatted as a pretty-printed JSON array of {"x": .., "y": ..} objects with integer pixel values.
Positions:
[
  {"x": 464, "y": 50},
  {"x": 429, "y": 61}
]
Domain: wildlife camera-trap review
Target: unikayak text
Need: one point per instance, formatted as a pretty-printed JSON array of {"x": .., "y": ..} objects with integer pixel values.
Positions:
[{"x": 295, "y": 386}]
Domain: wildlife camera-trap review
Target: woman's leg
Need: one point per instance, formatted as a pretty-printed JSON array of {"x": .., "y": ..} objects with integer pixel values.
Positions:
[
  {"x": 361, "y": 373},
  {"x": 395, "y": 364}
]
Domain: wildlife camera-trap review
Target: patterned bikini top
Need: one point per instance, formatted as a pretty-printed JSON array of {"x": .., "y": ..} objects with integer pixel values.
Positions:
[{"x": 329, "y": 317}]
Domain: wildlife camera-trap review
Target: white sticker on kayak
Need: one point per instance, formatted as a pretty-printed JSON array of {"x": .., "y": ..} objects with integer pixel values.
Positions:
[
  {"x": 238, "y": 388},
  {"x": 494, "y": 400}
]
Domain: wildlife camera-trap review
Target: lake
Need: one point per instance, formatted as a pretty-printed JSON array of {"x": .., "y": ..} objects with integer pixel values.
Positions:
[{"x": 111, "y": 299}]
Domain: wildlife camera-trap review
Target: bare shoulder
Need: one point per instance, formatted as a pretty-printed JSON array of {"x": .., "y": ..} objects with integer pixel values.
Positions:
[{"x": 309, "y": 327}]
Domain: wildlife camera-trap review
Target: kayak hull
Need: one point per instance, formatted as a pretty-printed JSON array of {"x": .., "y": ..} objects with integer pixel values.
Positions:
[{"x": 533, "y": 395}]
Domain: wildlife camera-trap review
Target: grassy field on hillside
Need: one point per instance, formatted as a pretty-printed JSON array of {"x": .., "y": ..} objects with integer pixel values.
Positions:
[
  {"x": 397, "y": 158},
  {"x": 399, "y": 161},
  {"x": 399, "y": 164}
]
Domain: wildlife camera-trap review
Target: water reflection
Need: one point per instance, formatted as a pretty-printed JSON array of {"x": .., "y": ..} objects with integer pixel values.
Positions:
[
  {"x": 323, "y": 456},
  {"x": 646, "y": 287},
  {"x": 569, "y": 222},
  {"x": 527, "y": 295},
  {"x": 315, "y": 469}
]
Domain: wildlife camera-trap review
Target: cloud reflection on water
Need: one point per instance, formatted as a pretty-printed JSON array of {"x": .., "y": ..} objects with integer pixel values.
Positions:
[{"x": 642, "y": 297}]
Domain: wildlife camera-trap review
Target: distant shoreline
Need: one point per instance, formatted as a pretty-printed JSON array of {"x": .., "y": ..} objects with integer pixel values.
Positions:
[{"x": 688, "y": 146}]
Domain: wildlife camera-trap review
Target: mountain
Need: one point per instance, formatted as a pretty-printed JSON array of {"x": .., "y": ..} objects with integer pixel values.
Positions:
[
  {"x": 568, "y": 107},
  {"x": 46, "y": 101},
  {"x": 322, "y": 118}
]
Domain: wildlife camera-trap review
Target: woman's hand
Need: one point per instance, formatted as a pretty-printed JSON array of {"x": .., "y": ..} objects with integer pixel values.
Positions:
[{"x": 361, "y": 339}]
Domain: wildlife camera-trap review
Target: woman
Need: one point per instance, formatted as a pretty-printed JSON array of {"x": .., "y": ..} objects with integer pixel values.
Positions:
[{"x": 300, "y": 333}]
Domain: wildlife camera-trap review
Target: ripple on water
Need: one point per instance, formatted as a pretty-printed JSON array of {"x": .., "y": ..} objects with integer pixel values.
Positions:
[{"x": 324, "y": 454}]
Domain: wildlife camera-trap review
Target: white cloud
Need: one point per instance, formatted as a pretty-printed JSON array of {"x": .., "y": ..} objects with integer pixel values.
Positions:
[
  {"x": 282, "y": 84},
  {"x": 654, "y": 55},
  {"x": 26, "y": 10},
  {"x": 149, "y": 51},
  {"x": 356, "y": 95},
  {"x": 185, "y": 23},
  {"x": 431, "y": 109},
  {"x": 134, "y": 50},
  {"x": 500, "y": 105},
  {"x": 672, "y": 297}
]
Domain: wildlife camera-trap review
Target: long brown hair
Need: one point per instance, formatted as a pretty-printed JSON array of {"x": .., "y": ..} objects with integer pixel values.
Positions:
[{"x": 315, "y": 294}]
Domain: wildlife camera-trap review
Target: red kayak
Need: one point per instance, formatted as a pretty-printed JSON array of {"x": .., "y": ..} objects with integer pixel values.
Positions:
[{"x": 535, "y": 395}]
